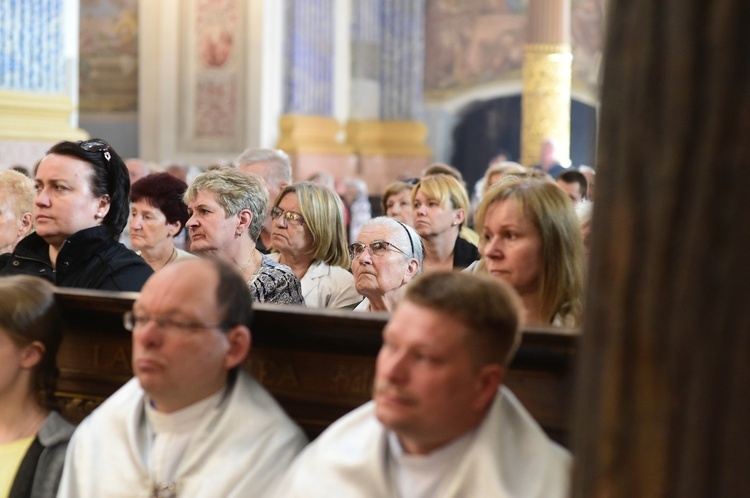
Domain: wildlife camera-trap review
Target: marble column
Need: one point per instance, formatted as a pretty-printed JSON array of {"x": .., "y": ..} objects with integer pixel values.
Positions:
[
  {"x": 308, "y": 131},
  {"x": 388, "y": 66},
  {"x": 38, "y": 93},
  {"x": 546, "y": 80}
]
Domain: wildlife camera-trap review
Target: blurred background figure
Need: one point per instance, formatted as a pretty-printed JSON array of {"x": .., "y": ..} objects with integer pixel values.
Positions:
[
  {"x": 494, "y": 173},
  {"x": 137, "y": 169},
  {"x": 16, "y": 204},
  {"x": 440, "y": 204},
  {"x": 274, "y": 166},
  {"x": 178, "y": 170},
  {"x": 385, "y": 257},
  {"x": 157, "y": 215},
  {"x": 33, "y": 436},
  {"x": 323, "y": 178},
  {"x": 80, "y": 209},
  {"x": 574, "y": 184},
  {"x": 396, "y": 202},
  {"x": 358, "y": 205},
  {"x": 531, "y": 238},
  {"x": 227, "y": 210},
  {"x": 585, "y": 212},
  {"x": 310, "y": 236},
  {"x": 590, "y": 174},
  {"x": 21, "y": 169},
  {"x": 443, "y": 169},
  {"x": 548, "y": 160}
]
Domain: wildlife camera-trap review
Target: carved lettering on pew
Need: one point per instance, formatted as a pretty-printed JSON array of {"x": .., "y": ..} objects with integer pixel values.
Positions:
[
  {"x": 352, "y": 380},
  {"x": 119, "y": 360},
  {"x": 273, "y": 374}
]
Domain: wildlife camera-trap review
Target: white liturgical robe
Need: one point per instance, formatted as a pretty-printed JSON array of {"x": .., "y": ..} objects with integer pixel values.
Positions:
[
  {"x": 509, "y": 456},
  {"x": 240, "y": 448}
]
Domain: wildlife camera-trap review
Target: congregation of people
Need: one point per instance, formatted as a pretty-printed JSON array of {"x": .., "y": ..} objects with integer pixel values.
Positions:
[{"x": 459, "y": 275}]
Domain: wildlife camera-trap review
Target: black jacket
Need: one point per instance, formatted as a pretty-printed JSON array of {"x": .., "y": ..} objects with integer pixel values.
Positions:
[
  {"x": 464, "y": 253},
  {"x": 89, "y": 259}
]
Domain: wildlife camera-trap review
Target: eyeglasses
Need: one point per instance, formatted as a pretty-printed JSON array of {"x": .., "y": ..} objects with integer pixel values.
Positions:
[
  {"x": 96, "y": 146},
  {"x": 132, "y": 321},
  {"x": 377, "y": 248},
  {"x": 289, "y": 216}
]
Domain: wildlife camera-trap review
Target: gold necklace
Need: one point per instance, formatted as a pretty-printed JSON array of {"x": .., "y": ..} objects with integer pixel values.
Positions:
[{"x": 169, "y": 259}]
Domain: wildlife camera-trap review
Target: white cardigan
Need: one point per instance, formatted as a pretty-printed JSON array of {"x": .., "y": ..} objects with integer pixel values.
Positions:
[{"x": 325, "y": 286}]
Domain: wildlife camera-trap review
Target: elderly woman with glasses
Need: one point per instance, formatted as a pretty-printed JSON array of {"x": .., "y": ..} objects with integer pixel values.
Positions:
[
  {"x": 309, "y": 233},
  {"x": 385, "y": 257},
  {"x": 227, "y": 210},
  {"x": 80, "y": 209}
]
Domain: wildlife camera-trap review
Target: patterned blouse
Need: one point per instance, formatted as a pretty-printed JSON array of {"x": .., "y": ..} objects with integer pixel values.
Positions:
[{"x": 275, "y": 283}]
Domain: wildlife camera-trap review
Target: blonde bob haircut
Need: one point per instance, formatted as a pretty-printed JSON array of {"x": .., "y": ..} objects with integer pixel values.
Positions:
[
  {"x": 234, "y": 191},
  {"x": 323, "y": 212},
  {"x": 550, "y": 210},
  {"x": 445, "y": 189}
]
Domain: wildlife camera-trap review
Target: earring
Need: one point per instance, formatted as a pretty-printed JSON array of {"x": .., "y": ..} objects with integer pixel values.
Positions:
[{"x": 98, "y": 215}]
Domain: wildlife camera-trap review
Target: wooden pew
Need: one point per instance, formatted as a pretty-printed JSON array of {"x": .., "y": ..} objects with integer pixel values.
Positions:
[{"x": 318, "y": 364}]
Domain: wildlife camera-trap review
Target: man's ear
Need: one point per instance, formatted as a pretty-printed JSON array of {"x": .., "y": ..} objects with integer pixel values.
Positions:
[
  {"x": 240, "y": 342},
  {"x": 489, "y": 379},
  {"x": 32, "y": 354}
]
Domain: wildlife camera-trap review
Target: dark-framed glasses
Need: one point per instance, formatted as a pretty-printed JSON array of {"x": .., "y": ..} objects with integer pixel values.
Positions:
[
  {"x": 377, "y": 248},
  {"x": 96, "y": 146},
  {"x": 289, "y": 216},
  {"x": 132, "y": 321}
]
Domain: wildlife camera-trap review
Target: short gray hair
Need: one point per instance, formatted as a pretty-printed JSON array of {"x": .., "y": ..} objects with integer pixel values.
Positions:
[
  {"x": 405, "y": 237},
  {"x": 279, "y": 169},
  {"x": 234, "y": 191}
]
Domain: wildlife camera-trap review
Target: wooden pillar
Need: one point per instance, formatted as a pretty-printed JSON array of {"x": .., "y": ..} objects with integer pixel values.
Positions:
[
  {"x": 546, "y": 80},
  {"x": 663, "y": 395}
]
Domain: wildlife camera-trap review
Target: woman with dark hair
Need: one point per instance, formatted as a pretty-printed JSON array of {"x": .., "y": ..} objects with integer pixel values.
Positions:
[
  {"x": 80, "y": 209},
  {"x": 33, "y": 437},
  {"x": 158, "y": 215}
]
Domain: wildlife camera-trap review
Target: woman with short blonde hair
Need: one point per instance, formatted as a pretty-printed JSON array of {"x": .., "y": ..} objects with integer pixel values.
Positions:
[
  {"x": 440, "y": 206},
  {"x": 227, "y": 211}
]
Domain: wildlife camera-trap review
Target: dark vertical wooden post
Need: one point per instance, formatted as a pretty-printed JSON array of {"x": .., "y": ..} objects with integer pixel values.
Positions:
[{"x": 663, "y": 395}]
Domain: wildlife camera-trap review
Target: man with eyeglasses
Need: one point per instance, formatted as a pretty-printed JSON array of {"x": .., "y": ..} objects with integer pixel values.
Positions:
[
  {"x": 191, "y": 422},
  {"x": 440, "y": 424},
  {"x": 385, "y": 257}
]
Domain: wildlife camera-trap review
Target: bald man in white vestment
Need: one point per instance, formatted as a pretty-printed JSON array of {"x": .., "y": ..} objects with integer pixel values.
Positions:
[
  {"x": 191, "y": 423},
  {"x": 441, "y": 424}
]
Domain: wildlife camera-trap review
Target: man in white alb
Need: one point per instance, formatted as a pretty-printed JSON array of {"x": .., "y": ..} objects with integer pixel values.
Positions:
[
  {"x": 192, "y": 422},
  {"x": 440, "y": 424}
]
